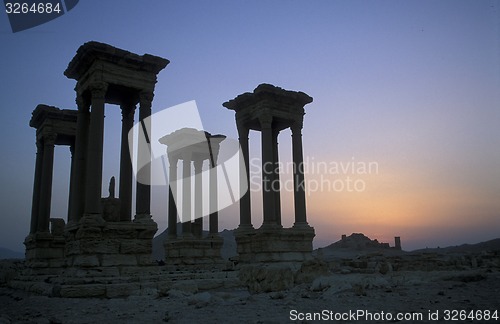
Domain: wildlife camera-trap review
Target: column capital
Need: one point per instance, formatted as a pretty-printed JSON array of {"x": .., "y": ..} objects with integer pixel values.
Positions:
[
  {"x": 39, "y": 145},
  {"x": 243, "y": 130},
  {"x": 98, "y": 90},
  {"x": 146, "y": 96},
  {"x": 198, "y": 164},
  {"x": 172, "y": 160},
  {"x": 49, "y": 138},
  {"x": 186, "y": 156},
  {"x": 296, "y": 128},
  {"x": 128, "y": 110},
  {"x": 266, "y": 121},
  {"x": 81, "y": 103}
]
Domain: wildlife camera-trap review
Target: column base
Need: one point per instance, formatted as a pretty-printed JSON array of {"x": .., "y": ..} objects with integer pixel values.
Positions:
[
  {"x": 45, "y": 250},
  {"x": 194, "y": 252},
  {"x": 96, "y": 243},
  {"x": 275, "y": 244}
]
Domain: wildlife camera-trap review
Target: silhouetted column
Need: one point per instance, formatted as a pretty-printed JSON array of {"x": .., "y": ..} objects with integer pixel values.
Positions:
[
  {"x": 198, "y": 197},
  {"x": 267, "y": 172},
  {"x": 143, "y": 195},
  {"x": 93, "y": 183},
  {"x": 186, "y": 195},
  {"x": 35, "y": 205},
  {"x": 71, "y": 179},
  {"x": 125, "y": 190},
  {"x": 298, "y": 176},
  {"x": 213, "y": 195},
  {"x": 78, "y": 172},
  {"x": 245, "y": 202},
  {"x": 46, "y": 182},
  {"x": 172, "y": 193},
  {"x": 276, "y": 177}
]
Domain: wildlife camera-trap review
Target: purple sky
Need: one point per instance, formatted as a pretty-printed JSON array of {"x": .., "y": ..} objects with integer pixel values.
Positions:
[{"x": 411, "y": 85}]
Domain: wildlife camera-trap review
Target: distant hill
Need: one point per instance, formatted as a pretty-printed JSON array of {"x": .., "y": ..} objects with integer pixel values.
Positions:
[
  {"x": 488, "y": 246},
  {"x": 9, "y": 254},
  {"x": 354, "y": 245}
]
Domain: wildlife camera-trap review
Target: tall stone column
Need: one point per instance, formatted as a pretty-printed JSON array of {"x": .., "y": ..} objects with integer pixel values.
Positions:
[
  {"x": 198, "y": 197},
  {"x": 46, "y": 182},
  {"x": 35, "y": 205},
  {"x": 93, "y": 183},
  {"x": 213, "y": 196},
  {"x": 186, "y": 196},
  {"x": 245, "y": 202},
  {"x": 298, "y": 175},
  {"x": 276, "y": 177},
  {"x": 268, "y": 194},
  {"x": 78, "y": 172},
  {"x": 172, "y": 193},
  {"x": 143, "y": 191},
  {"x": 125, "y": 190},
  {"x": 71, "y": 179}
]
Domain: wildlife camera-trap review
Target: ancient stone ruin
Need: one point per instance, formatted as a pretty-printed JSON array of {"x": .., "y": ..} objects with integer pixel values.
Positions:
[
  {"x": 270, "y": 109},
  {"x": 105, "y": 247},
  {"x": 192, "y": 147}
]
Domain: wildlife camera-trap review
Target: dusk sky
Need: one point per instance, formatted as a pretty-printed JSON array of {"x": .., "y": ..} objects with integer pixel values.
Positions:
[{"x": 411, "y": 87}]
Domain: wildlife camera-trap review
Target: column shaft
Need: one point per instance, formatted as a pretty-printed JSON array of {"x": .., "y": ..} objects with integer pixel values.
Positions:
[
  {"x": 93, "y": 185},
  {"x": 213, "y": 199},
  {"x": 298, "y": 176},
  {"x": 198, "y": 198},
  {"x": 143, "y": 195},
  {"x": 125, "y": 190},
  {"x": 172, "y": 193},
  {"x": 276, "y": 178},
  {"x": 268, "y": 194},
  {"x": 71, "y": 179},
  {"x": 78, "y": 171},
  {"x": 46, "y": 183},
  {"x": 35, "y": 205},
  {"x": 245, "y": 200},
  {"x": 186, "y": 197}
]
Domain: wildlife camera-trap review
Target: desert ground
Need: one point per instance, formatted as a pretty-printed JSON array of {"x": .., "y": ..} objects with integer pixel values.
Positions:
[{"x": 351, "y": 283}]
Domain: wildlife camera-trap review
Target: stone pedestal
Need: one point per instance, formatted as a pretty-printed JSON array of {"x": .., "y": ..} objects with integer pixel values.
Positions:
[
  {"x": 268, "y": 244},
  {"x": 193, "y": 251},
  {"x": 45, "y": 250},
  {"x": 97, "y": 243}
]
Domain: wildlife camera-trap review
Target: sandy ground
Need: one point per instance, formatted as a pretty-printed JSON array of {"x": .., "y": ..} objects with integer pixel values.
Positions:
[{"x": 411, "y": 293}]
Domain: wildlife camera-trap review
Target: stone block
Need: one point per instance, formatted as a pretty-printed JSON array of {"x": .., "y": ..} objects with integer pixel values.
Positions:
[
  {"x": 118, "y": 260},
  {"x": 57, "y": 263},
  {"x": 188, "y": 286},
  {"x": 88, "y": 233},
  {"x": 264, "y": 278},
  {"x": 209, "y": 284},
  {"x": 85, "y": 261},
  {"x": 101, "y": 246},
  {"x": 190, "y": 253},
  {"x": 136, "y": 246},
  {"x": 83, "y": 291},
  {"x": 122, "y": 290},
  {"x": 145, "y": 260},
  {"x": 72, "y": 248}
]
